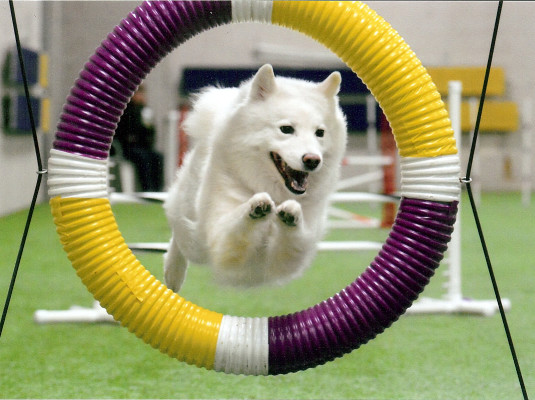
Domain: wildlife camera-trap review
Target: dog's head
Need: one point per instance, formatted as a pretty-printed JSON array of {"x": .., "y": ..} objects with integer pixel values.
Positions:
[{"x": 295, "y": 128}]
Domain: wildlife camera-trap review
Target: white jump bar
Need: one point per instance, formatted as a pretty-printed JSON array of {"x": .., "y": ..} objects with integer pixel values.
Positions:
[{"x": 322, "y": 246}]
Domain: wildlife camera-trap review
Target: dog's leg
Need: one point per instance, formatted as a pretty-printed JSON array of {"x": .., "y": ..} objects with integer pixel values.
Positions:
[
  {"x": 293, "y": 248},
  {"x": 175, "y": 265},
  {"x": 237, "y": 237}
]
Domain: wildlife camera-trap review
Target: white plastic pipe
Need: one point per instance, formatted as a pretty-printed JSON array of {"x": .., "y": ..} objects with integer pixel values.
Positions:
[{"x": 455, "y": 89}]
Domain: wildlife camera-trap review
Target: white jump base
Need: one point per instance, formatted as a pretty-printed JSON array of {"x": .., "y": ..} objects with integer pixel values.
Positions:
[
  {"x": 486, "y": 308},
  {"x": 74, "y": 314}
]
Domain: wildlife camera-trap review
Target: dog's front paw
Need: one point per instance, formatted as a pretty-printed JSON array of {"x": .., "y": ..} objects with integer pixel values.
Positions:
[
  {"x": 260, "y": 205},
  {"x": 290, "y": 212}
]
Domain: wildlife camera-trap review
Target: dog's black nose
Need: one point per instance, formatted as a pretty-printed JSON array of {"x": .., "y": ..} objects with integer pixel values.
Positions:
[{"x": 311, "y": 161}]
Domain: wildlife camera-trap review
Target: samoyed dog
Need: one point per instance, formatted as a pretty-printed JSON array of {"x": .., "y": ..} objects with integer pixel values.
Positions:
[{"x": 251, "y": 197}]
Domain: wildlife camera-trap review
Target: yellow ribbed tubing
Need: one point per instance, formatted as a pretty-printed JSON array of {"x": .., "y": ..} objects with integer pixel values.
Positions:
[
  {"x": 385, "y": 63},
  {"x": 90, "y": 236}
]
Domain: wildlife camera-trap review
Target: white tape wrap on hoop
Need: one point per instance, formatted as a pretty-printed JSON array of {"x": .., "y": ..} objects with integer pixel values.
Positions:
[
  {"x": 243, "y": 346},
  {"x": 434, "y": 178},
  {"x": 252, "y": 10},
  {"x": 71, "y": 175}
]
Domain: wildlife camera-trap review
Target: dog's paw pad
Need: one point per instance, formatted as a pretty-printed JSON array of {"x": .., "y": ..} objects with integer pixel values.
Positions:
[
  {"x": 287, "y": 218},
  {"x": 289, "y": 212},
  {"x": 260, "y": 210},
  {"x": 261, "y": 205}
]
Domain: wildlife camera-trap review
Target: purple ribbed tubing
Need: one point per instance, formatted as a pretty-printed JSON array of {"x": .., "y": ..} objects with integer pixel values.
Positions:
[
  {"x": 119, "y": 65},
  {"x": 308, "y": 338},
  {"x": 374, "y": 300}
]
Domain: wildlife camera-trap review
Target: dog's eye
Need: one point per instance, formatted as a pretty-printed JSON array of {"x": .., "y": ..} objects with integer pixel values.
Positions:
[
  {"x": 320, "y": 132},
  {"x": 287, "y": 129}
]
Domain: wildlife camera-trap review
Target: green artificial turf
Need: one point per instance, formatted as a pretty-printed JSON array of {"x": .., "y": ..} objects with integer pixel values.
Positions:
[{"x": 418, "y": 357}]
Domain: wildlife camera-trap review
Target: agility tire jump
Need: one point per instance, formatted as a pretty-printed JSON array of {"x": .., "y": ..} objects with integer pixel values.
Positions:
[{"x": 269, "y": 345}]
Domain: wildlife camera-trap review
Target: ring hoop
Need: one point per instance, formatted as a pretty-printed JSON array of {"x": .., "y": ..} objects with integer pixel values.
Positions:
[{"x": 270, "y": 345}]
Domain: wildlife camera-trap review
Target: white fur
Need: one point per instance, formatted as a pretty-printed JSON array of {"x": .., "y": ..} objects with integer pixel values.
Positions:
[{"x": 229, "y": 206}]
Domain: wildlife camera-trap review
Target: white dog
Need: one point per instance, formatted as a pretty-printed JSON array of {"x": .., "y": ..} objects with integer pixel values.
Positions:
[{"x": 251, "y": 197}]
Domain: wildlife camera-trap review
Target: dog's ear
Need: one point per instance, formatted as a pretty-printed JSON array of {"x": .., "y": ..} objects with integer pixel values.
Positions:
[
  {"x": 263, "y": 83},
  {"x": 331, "y": 85}
]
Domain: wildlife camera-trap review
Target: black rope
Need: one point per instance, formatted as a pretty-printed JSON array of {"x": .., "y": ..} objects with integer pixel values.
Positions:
[
  {"x": 40, "y": 172},
  {"x": 467, "y": 180}
]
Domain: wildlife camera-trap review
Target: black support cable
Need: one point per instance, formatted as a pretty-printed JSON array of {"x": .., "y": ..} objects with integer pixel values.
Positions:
[
  {"x": 467, "y": 180},
  {"x": 40, "y": 171}
]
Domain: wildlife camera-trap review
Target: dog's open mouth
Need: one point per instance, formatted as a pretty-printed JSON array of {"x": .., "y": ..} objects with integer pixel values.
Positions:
[{"x": 295, "y": 181}]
